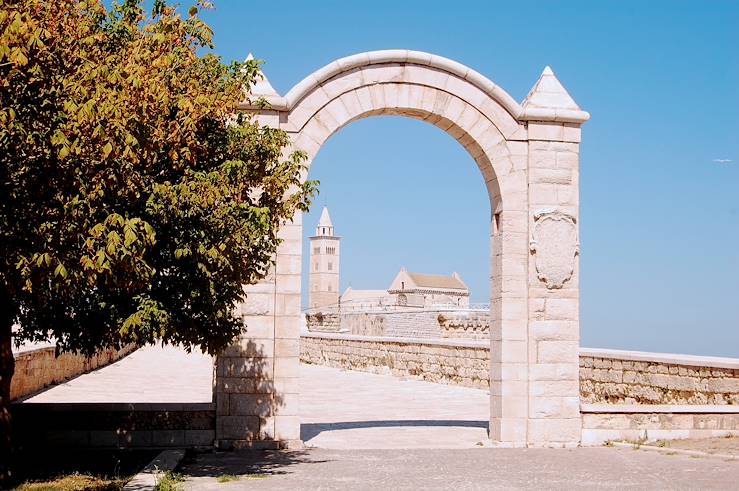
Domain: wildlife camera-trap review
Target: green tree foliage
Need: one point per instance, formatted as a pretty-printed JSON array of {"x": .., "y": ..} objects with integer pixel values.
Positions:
[{"x": 135, "y": 201}]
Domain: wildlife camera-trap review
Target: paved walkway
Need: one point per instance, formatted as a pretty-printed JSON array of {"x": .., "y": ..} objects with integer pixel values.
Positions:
[
  {"x": 380, "y": 432},
  {"x": 461, "y": 469},
  {"x": 152, "y": 374},
  {"x": 342, "y": 409},
  {"x": 338, "y": 408}
]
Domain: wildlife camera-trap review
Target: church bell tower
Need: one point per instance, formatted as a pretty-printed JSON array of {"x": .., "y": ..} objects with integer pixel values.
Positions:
[{"x": 324, "y": 265}]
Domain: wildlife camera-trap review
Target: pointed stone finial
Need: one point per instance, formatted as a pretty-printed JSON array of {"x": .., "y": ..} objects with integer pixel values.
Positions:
[
  {"x": 262, "y": 87},
  {"x": 548, "y": 93}
]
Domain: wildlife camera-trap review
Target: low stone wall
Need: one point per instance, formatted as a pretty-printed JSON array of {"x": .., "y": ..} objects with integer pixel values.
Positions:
[
  {"x": 625, "y": 395},
  {"x": 632, "y": 377},
  {"x": 404, "y": 322},
  {"x": 323, "y": 321},
  {"x": 635, "y": 422},
  {"x": 455, "y": 362},
  {"x": 606, "y": 376},
  {"x": 114, "y": 425},
  {"x": 465, "y": 324},
  {"x": 39, "y": 368}
]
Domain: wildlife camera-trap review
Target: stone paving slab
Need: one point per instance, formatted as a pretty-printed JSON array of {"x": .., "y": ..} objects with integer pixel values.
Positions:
[
  {"x": 460, "y": 469},
  {"x": 150, "y": 374},
  {"x": 343, "y": 409},
  {"x": 338, "y": 408}
]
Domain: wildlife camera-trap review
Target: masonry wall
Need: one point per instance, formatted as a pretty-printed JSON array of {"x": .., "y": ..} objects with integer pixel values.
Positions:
[
  {"x": 405, "y": 323},
  {"x": 463, "y": 363},
  {"x": 465, "y": 325},
  {"x": 609, "y": 377},
  {"x": 39, "y": 368},
  {"x": 114, "y": 425},
  {"x": 634, "y": 378}
]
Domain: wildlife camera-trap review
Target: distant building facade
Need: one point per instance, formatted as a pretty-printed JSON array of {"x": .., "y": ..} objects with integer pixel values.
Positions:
[
  {"x": 408, "y": 289},
  {"x": 417, "y": 305},
  {"x": 325, "y": 254}
]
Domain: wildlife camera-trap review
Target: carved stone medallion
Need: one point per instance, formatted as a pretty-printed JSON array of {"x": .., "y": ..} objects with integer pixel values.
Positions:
[{"x": 555, "y": 244}]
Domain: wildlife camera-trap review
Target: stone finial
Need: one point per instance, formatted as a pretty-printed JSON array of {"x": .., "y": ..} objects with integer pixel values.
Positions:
[
  {"x": 548, "y": 93},
  {"x": 262, "y": 87}
]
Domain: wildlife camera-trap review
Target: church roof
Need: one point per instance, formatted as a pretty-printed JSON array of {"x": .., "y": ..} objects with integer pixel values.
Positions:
[
  {"x": 325, "y": 220},
  {"x": 437, "y": 281},
  {"x": 351, "y": 294}
]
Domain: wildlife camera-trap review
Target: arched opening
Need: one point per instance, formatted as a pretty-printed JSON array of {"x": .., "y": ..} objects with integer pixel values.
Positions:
[
  {"x": 528, "y": 157},
  {"x": 410, "y": 200}
]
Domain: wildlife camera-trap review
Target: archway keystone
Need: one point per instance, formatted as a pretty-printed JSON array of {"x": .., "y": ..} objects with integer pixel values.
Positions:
[{"x": 528, "y": 157}]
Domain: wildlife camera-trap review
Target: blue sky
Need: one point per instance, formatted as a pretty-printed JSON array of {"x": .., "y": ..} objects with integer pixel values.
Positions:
[{"x": 659, "y": 217}]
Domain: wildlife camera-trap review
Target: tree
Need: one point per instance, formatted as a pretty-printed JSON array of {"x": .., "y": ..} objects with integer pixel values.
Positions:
[{"x": 135, "y": 201}]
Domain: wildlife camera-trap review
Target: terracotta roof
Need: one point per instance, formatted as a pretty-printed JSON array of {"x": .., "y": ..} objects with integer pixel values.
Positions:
[{"x": 436, "y": 281}]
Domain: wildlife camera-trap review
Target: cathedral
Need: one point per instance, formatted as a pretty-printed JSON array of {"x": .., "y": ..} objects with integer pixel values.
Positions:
[{"x": 408, "y": 289}]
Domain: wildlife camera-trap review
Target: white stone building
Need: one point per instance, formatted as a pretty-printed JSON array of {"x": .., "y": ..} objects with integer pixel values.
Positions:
[
  {"x": 429, "y": 290},
  {"x": 408, "y": 289},
  {"x": 324, "y": 264}
]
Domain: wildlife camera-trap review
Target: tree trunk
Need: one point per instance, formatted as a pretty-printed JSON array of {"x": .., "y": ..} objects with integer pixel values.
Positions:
[{"x": 7, "y": 367}]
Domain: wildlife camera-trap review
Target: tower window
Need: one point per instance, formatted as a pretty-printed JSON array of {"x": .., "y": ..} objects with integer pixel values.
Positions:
[
  {"x": 329, "y": 288},
  {"x": 330, "y": 266},
  {"x": 316, "y": 250},
  {"x": 315, "y": 266}
]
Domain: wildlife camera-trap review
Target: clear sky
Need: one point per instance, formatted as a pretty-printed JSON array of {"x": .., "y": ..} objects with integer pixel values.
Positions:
[{"x": 659, "y": 214}]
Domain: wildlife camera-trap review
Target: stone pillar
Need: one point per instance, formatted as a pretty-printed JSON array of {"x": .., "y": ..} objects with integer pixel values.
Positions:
[
  {"x": 554, "y": 293},
  {"x": 256, "y": 389},
  {"x": 509, "y": 381},
  {"x": 244, "y": 387}
]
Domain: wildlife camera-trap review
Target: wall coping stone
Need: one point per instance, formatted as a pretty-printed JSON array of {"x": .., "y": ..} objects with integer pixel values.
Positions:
[
  {"x": 659, "y": 408},
  {"x": 666, "y": 358},
  {"x": 456, "y": 343}
]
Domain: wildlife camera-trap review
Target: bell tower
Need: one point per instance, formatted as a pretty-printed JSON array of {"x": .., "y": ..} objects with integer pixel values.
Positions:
[{"x": 325, "y": 253}]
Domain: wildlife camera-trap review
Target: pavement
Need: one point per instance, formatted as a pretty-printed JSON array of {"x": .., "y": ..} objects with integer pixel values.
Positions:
[
  {"x": 342, "y": 409},
  {"x": 459, "y": 469},
  {"x": 151, "y": 374},
  {"x": 338, "y": 408},
  {"x": 366, "y": 431}
]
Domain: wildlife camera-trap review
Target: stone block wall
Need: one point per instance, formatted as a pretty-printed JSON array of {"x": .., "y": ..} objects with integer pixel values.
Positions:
[
  {"x": 37, "y": 369},
  {"x": 323, "y": 321},
  {"x": 646, "y": 378},
  {"x": 410, "y": 324},
  {"x": 114, "y": 425},
  {"x": 463, "y": 363},
  {"x": 404, "y": 323},
  {"x": 364, "y": 323},
  {"x": 465, "y": 325},
  {"x": 607, "y": 377}
]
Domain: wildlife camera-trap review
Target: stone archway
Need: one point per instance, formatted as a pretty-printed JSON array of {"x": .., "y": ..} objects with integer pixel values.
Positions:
[{"x": 528, "y": 156}]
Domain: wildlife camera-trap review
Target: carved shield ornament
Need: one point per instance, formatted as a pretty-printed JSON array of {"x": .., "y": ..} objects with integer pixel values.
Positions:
[{"x": 555, "y": 244}]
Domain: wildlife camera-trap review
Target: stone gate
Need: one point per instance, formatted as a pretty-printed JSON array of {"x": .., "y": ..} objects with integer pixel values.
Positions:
[{"x": 527, "y": 154}]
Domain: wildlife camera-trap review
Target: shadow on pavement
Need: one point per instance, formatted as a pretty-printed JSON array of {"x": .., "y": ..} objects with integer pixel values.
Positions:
[
  {"x": 245, "y": 462},
  {"x": 311, "y": 430}
]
